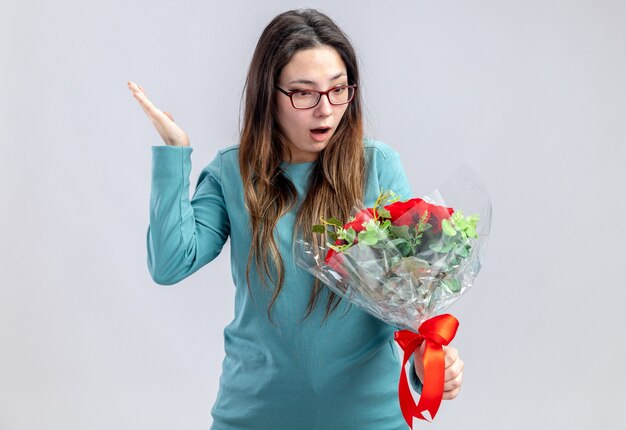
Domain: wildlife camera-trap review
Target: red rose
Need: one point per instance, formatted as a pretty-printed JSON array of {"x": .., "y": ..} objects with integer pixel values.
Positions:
[
  {"x": 402, "y": 213},
  {"x": 335, "y": 260},
  {"x": 439, "y": 213},
  {"x": 359, "y": 219},
  {"x": 410, "y": 212},
  {"x": 357, "y": 224}
]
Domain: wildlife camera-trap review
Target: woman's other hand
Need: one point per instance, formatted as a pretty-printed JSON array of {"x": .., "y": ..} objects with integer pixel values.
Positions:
[
  {"x": 171, "y": 133},
  {"x": 453, "y": 377}
]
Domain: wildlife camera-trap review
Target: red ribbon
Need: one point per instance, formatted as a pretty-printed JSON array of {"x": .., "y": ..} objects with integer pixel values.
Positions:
[{"x": 436, "y": 331}]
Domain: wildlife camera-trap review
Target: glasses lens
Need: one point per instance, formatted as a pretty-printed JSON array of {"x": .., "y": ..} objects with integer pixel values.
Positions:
[
  {"x": 341, "y": 95},
  {"x": 305, "y": 99}
]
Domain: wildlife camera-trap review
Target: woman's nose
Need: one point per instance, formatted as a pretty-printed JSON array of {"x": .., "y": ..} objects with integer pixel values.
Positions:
[{"x": 324, "y": 108}]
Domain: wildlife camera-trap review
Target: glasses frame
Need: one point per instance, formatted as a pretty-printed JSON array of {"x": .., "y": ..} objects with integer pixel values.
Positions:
[{"x": 321, "y": 93}]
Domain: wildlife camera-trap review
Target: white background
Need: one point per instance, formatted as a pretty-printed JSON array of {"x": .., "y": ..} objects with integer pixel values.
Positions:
[{"x": 532, "y": 92}]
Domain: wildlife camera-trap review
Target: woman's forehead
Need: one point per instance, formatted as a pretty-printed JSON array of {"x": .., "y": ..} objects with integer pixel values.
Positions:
[{"x": 314, "y": 66}]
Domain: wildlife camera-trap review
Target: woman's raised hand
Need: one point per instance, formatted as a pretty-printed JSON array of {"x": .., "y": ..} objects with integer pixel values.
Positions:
[{"x": 171, "y": 133}]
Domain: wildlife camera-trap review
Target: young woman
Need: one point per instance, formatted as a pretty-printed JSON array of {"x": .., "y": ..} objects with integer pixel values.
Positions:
[{"x": 295, "y": 357}]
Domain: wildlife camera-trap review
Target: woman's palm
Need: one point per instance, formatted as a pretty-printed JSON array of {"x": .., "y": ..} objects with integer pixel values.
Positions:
[{"x": 171, "y": 133}]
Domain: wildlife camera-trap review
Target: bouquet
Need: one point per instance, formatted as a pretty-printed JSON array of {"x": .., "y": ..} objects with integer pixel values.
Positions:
[{"x": 405, "y": 262}]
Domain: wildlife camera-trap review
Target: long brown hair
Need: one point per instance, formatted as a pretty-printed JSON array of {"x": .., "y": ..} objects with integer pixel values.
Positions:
[{"x": 336, "y": 182}]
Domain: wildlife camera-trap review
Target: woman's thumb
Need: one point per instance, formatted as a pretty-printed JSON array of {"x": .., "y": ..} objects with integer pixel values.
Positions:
[{"x": 169, "y": 115}]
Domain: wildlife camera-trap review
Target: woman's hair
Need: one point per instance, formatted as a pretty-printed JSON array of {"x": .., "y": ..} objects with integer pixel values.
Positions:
[{"x": 336, "y": 182}]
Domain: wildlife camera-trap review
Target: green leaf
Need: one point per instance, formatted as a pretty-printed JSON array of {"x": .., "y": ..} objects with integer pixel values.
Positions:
[
  {"x": 462, "y": 251},
  {"x": 350, "y": 235},
  {"x": 454, "y": 285},
  {"x": 405, "y": 249},
  {"x": 371, "y": 225},
  {"x": 442, "y": 247},
  {"x": 368, "y": 237},
  {"x": 437, "y": 247},
  {"x": 399, "y": 242},
  {"x": 471, "y": 231},
  {"x": 383, "y": 212},
  {"x": 401, "y": 231},
  {"x": 318, "y": 228},
  {"x": 448, "y": 230},
  {"x": 461, "y": 224},
  {"x": 334, "y": 221}
]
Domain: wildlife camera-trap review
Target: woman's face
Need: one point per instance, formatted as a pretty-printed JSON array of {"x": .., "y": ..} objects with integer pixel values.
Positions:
[{"x": 319, "y": 68}]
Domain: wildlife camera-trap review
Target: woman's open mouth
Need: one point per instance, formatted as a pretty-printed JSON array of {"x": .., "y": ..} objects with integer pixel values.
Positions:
[{"x": 320, "y": 134}]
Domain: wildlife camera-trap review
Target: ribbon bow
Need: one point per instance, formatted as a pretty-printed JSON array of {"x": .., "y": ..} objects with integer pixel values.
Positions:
[{"x": 436, "y": 331}]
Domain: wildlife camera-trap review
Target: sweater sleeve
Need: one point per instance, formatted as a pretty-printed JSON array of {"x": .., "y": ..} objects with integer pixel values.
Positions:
[
  {"x": 391, "y": 173},
  {"x": 183, "y": 234}
]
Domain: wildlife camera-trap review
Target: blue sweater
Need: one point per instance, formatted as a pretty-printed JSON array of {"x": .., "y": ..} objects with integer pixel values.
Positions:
[{"x": 293, "y": 374}]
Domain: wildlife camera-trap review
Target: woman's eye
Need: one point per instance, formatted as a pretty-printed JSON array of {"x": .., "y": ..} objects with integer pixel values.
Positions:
[
  {"x": 301, "y": 93},
  {"x": 339, "y": 90}
]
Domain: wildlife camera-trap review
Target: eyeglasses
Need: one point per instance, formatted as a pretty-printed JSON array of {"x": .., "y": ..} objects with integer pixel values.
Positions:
[{"x": 307, "y": 99}]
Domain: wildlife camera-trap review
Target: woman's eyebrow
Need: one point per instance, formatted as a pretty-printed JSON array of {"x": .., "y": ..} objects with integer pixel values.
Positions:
[{"x": 308, "y": 82}]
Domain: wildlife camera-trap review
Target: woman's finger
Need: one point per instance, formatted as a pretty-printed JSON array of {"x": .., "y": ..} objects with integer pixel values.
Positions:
[
  {"x": 451, "y": 395},
  {"x": 453, "y": 374},
  {"x": 451, "y": 355},
  {"x": 164, "y": 123},
  {"x": 143, "y": 100},
  {"x": 454, "y": 370},
  {"x": 136, "y": 87},
  {"x": 155, "y": 114},
  {"x": 453, "y": 383}
]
